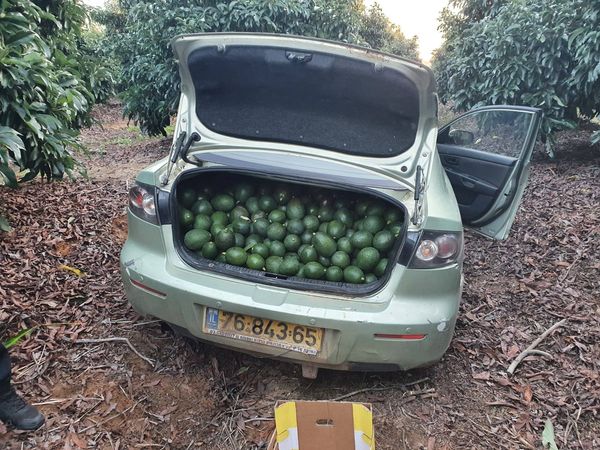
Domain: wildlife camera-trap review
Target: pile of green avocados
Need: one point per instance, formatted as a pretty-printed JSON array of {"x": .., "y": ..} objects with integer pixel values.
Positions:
[{"x": 291, "y": 230}]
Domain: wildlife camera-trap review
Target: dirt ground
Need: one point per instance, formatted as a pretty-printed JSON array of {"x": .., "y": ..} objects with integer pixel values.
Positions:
[{"x": 102, "y": 395}]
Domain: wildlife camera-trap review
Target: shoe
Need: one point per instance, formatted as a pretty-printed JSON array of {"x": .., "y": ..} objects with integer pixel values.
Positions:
[{"x": 18, "y": 413}]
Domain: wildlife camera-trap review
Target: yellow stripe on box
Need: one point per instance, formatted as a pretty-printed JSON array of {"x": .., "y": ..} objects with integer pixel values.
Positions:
[{"x": 363, "y": 422}]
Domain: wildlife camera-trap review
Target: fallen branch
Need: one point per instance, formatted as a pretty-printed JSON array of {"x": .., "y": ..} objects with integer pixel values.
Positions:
[
  {"x": 531, "y": 349},
  {"x": 386, "y": 388},
  {"x": 115, "y": 339}
]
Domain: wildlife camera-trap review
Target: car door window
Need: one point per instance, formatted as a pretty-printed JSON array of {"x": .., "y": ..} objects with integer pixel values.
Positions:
[
  {"x": 486, "y": 155},
  {"x": 497, "y": 132}
]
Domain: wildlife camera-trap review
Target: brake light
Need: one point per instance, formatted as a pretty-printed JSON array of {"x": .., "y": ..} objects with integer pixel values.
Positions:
[
  {"x": 142, "y": 202},
  {"x": 437, "y": 249}
]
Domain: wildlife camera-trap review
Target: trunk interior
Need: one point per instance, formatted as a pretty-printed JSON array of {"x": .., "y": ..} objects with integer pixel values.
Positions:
[{"x": 286, "y": 232}]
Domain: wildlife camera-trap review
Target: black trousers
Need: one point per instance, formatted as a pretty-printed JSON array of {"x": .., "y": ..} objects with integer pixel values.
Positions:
[{"x": 4, "y": 370}]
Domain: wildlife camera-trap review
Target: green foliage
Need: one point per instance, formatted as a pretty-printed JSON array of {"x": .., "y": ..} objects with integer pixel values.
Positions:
[
  {"x": 18, "y": 337},
  {"x": 42, "y": 98},
  {"x": 543, "y": 54},
  {"x": 97, "y": 67},
  {"x": 139, "y": 32}
]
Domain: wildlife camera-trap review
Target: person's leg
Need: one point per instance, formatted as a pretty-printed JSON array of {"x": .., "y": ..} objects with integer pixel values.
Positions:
[
  {"x": 13, "y": 409},
  {"x": 4, "y": 370}
]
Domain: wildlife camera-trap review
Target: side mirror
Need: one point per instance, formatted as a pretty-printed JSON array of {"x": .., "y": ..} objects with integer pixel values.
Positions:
[{"x": 461, "y": 137}]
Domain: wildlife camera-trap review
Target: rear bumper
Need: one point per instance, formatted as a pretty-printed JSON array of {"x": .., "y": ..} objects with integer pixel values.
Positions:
[{"x": 412, "y": 302}]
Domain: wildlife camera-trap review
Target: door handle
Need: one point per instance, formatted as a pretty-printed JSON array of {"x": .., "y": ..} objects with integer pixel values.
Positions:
[
  {"x": 453, "y": 160},
  {"x": 467, "y": 182}
]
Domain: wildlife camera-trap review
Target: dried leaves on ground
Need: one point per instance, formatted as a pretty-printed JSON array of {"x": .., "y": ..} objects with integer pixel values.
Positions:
[{"x": 59, "y": 273}]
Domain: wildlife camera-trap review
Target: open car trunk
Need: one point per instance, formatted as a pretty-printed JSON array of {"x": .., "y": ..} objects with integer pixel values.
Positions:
[{"x": 254, "y": 226}]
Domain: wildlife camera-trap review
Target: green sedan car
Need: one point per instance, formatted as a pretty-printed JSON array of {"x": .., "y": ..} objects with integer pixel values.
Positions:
[{"x": 310, "y": 209}]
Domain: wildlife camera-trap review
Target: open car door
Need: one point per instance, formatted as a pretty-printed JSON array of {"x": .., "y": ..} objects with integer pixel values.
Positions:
[{"x": 486, "y": 154}]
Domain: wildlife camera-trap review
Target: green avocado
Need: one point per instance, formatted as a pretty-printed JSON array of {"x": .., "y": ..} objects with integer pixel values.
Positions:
[
  {"x": 314, "y": 270},
  {"x": 311, "y": 223},
  {"x": 243, "y": 191},
  {"x": 353, "y": 274},
  {"x": 373, "y": 224},
  {"x": 295, "y": 226},
  {"x": 379, "y": 269},
  {"x": 252, "y": 205},
  {"x": 260, "y": 226},
  {"x": 267, "y": 203},
  {"x": 273, "y": 263},
  {"x": 289, "y": 266},
  {"x": 195, "y": 239},
  {"x": 367, "y": 258},
  {"x": 370, "y": 278},
  {"x": 336, "y": 229},
  {"x": 308, "y": 254},
  {"x": 236, "y": 256},
  {"x": 225, "y": 239},
  {"x": 334, "y": 273},
  {"x": 239, "y": 212},
  {"x": 255, "y": 261},
  {"x": 344, "y": 245},
  {"x": 202, "y": 222},
  {"x": 277, "y": 215},
  {"x": 210, "y": 250},
  {"x": 261, "y": 249},
  {"x": 223, "y": 202},
  {"x": 219, "y": 217},
  {"x": 361, "y": 239},
  {"x": 340, "y": 259},
  {"x": 202, "y": 207},
  {"x": 344, "y": 216},
  {"x": 186, "y": 217},
  {"x": 292, "y": 242},
  {"x": 187, "y": 197},
  {"x": 242, "y": 226},
  {"x": 324, "y": 244},
  {"x": 276, "y": 248},
  {"x": 276, "y": 231},
  {"x": 383, "y": 240},
  {"x": 295, "y": 209},
  {"x": 325, "y": 214}
]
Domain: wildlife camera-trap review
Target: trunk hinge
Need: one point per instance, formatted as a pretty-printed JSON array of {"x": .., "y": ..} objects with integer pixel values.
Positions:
[
  {"x": 419, "y": 188},
  {"x": 179, "y": 150}
]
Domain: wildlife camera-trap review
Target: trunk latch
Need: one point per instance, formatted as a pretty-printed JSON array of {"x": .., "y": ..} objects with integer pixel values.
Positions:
[{"x": 299, "y": 58}]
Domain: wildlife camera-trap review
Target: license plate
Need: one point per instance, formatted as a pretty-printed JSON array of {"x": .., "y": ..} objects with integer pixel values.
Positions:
[{"x": 274, "y": 333}]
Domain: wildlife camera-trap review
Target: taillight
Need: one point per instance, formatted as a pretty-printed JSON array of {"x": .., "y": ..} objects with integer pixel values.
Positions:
[
  {"x": 142, "y": 202},
  {"x": 437, "y": 249}
]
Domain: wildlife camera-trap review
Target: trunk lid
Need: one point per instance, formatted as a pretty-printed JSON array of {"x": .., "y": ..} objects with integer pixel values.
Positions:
[{"x": 288, "y": 95}]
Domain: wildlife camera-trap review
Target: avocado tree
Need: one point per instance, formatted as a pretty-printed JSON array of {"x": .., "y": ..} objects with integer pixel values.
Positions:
[
  {"x": 46, "y": 87},
  {"x": 139, "y": 32},
  {"x": 543, "y": 54}
]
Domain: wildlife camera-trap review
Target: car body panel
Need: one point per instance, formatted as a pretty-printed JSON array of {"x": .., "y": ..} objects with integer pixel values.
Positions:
[{"x": 149, "y": 258}]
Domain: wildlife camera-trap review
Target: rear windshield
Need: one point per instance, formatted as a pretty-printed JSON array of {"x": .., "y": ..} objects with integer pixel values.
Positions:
[{"x": 307, "y": 98}]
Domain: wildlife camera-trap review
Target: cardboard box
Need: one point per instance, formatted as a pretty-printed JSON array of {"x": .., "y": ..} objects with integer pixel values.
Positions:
[{"x": 322, "y": 425}]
